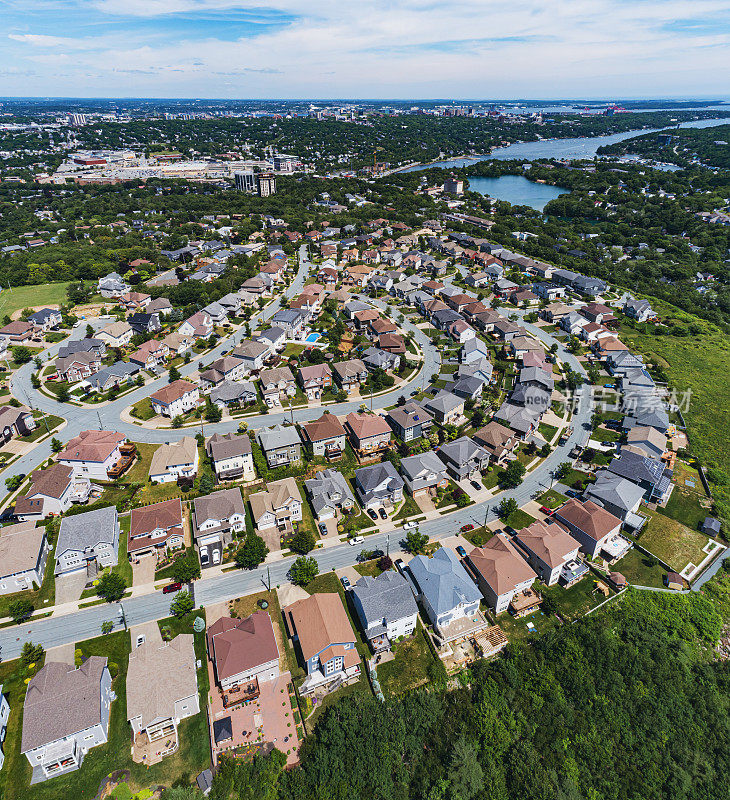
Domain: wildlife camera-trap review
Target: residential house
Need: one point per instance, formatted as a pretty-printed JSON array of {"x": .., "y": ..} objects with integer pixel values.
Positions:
[
  {"x": 386, "y": 609},
  {"x": 549, "y": 548},
  {"x": 24, "y": 551},
  {"x": 325, "y": 436},
  {"x": 497, "y": 440},
  {"x": 244, "y": 653},
  {"x": 65, "y": 714},
  {"x": 315, "y": 380},
  {"x": 472, "y": 350},
  {"x": 199, "y": 326},
  {"x": 523, "y": 419},
  {"x": 463, "y": 457},
  {"x": 46, "y": 319},
  {"x": 374, "y": 358},
  {"x": 281, "y": 445},
  {"x": 653, "y": 476},
  {"x": 231, "y": 456},
  {"x": 216, "y": 519},
  {"x": 424, "y": 473},
  {"x": 77, "y": 367},
  {"x": 93, "y": 453},
  {"x": 447, "y": 408},
  {"x": 447, "y": 594},
  {"x": 618, "y": 496},
  {"x": 252, "y": 354},
  {"x": 504, "y": 578},
  {"x": 227, "y": 394},
  {"x": 409, "y": 421},
  {"x": 573, "y": 323},
  {"x": 291, "y": 321},
  {"x": 144, "y": 323},
  {"x": 88, "y": 542},
  {"x": 17, "y": 332},
  {"x": 162, "y": 690},
  {"x": 160, "y": 306},
  {"x": 15, "y": 421},
  {"x": 175, "y": 399},
  {"x": 175, "y": 461},
  {"x": 52, "y": 491},
  {"x": 226, "y": 368},
  {"x": 481, "y": 369},
  {"x": 178, "y": 344},
  {"x": 645, "y": 441},
  {"x": 112, "y": 285},
  {"x": 640, "y": 310},
  {"x": 368, "y": 433},
  {"x": 155, "y": 529},
  {"x": 330, "y": 494},
  {"x": 135, "y": 301},
  {"x": 555, "y": 312},
  {"x": 96, "y": 346},
  {"x": 378, "y": 485},
  {"x": 150, "y": 354},
  {"x": 274, "y": 338},
  {"x": 320, "y": 627},
  {"x": 277, "y": 385},
  {"x": 350, "y": 374},
  {"x": 116, "y": 334},
  {"x": 118, "y": 374},
  {"x": 594, "y": 527},
  {"x": 216, "y": 312},
  {"x": 278, "y": 507}
]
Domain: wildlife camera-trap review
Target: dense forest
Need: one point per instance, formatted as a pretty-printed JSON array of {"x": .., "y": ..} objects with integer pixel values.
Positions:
[
  {"x": 630, "y": 703},
  {"x": 683, "y": 146}
]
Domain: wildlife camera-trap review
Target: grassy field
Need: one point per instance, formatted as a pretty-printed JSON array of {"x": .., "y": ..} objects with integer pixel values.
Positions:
[
  {"x": 19, "y": 297},
  {"x": 685, "y": 506},
  {"x": 639, "y": 570},
  {"x": 575, "y": 601},
  {"x": 674, "y": 543},
  {"x": 519, "y": 519},
  {"x": 142, "y": 409},
  {"x": 410, "y": 667}
]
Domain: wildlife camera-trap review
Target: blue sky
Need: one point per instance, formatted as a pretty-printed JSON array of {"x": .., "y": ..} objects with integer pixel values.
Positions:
[{"x": 365, "y": 48}]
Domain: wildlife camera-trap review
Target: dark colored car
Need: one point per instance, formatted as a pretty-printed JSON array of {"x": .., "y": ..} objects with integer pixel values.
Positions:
[
  {"x": 345, "y": 581},
  {"x": 571, "y": 493},
  {"x": 171, "y": 587},
  {"x": 465, "y": 528},
  {"x": 460, "y": 550},
  {"x": 382, "y": 513},
  {"x": 372, "y": 514},
  {"x": 476, "y": 485}
]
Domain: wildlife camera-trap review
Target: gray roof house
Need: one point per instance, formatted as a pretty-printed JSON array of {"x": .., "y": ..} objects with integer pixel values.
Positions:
[
  {"x": 423, "y": 472},
  {"x": 447, "y": 593},
  {"x": 329, "y": 492},
  {"x": 523, "y": 420},
  {"x": 473, "y": 350},
  {"x": 375, "y": 358},
  {"x": 378, "y": 485},
  {"x": 281, "y": 445},
  {"x": 409, "y": 421},
  {"x": 447, "y": 408},
  {"x": 463, "y": 457},
  {"x": 385, "y": 607},
  {"x": 468, "y": 387},
  {"x": 65, "y": 714},
  {"x": 480, "y": 368},
  {"x": 618, "y": 495},
  {"x": 652, "y": 476},
  {"x": 88, "y": 541},
  {"x": 228, "y": 392}
]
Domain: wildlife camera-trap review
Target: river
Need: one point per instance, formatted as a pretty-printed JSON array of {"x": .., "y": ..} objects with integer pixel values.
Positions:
[{"x": 583, "y": 147}]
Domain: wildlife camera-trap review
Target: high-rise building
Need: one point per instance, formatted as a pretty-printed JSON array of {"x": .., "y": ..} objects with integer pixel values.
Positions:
[
  {"x": 453, "y": 185},
  {"x": 245, "y": 181},
  {"x": 77, "y": 119},
  {"x": 284, "y": 163},
  {"x": 267, "y": 183}
]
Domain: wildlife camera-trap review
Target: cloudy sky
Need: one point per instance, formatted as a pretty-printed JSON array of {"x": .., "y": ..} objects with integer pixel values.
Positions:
[{"x": 365, "y": 48}]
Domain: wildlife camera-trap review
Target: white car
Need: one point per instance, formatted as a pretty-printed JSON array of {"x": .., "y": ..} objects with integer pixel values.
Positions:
[
  {"x": 357, "y": 540},
  {"x": 410, "y": 525}
]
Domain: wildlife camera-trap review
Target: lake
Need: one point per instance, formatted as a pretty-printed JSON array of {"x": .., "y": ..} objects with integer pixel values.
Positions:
[{"x": 516, "y": 189}]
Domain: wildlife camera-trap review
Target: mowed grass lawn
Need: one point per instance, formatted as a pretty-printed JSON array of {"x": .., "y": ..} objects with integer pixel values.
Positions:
[
  {"x": 672, "y": 542},
  {"x": 411, "y": 666},
  {"x": 19, "y": 297}
]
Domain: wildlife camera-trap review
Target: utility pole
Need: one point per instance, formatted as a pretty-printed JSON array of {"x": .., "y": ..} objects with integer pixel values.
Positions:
[
  {"x": 268, "y": 577},
  {"x": 486, "y": 514},
  {"x": 387, "y": 545},
  {"x": 123, "y": 616},
  {"x": 101, "y": 427}
]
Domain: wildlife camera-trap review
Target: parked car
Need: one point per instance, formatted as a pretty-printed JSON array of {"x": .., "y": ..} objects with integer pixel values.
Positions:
[
  {"x": 571, "y": 493},
  {"x": 345, "y": 581},
  {"x": 171, "y": 587},
  {"x": 476, "y": 485},
  {"x": 410, "y": 525},
  {"x": 460, "y": 550},
  {"x": 546, "y": 510},
  {"x": 383, "y": 514},
  {"x": 322, "y": 528},
  {"x": 356, "y": 540},
  {"x": 372, "y": 514},
  {"x": 465, "y": 528},
  {"x": 610, "y": 386},
  {"x": 399, "y": 564}
]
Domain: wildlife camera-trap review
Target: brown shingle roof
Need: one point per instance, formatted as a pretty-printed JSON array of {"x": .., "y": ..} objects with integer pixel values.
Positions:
[
  {"x": 326, "y": 427},
  {"x": 588, "y": 517},
  {"x": 238, "y": 645},
  {"x": 319, "y": 621},
  {"x": 550, "y": 542},
  {"x": 92, "y": 446},
  {"x": 366, "y": 425},
  {"x": 173, "y": 391},
  {"x": 500, "y": 565}
]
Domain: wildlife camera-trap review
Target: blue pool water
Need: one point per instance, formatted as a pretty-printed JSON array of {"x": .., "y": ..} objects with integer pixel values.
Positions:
[{"x": 313, "y": 337}]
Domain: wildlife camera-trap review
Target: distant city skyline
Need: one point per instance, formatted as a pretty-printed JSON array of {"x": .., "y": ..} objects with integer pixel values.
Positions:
[{"x": 464, "y": 49}]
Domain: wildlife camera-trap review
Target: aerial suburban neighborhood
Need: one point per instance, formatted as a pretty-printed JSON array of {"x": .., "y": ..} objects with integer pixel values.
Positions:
[{"x": 293, "y": 436}]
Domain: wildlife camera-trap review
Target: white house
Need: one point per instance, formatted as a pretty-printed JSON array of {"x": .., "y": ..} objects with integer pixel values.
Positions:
[
  {"x": 88, "y": 542},
  {"x": 23, "y": 555},
  {"x": 93, "y": 453},
  {"x": 175, "y": 460},
  {"x": 243, "y": 650},
  {"x": 175, "y": 399}
]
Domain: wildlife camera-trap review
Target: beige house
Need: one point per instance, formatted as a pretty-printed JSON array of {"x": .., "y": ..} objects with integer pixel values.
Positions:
[
  {"x": 278, "y": 506},
  {"x": 175, "y": 460},
  {"x": 23, "y": 555},
  {"x": 116, "y": 334}
]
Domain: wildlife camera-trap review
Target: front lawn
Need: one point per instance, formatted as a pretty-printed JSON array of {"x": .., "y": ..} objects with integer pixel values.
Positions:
[
  {"x": 411, "y": 667},
  {"x": 547, "y": 431},
  {"x": 370, "y": 568},
  {"x": 42, "y": 420},
  {"x": 519, "y": 519},
  {"x": 551, "y": 499},
  {"x": 409, "y": 508},
  {"x": 143, "y": 410},
  {"x": 672, "y": 542}
]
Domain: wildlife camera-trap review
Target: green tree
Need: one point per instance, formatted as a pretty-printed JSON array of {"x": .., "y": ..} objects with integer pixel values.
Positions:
[
  {"x": 56, "y": 445},
  {"x": 562, "y": 470},
  {"x": 507, "y": 506},
  {"x": 212, "y": 412},
  {"x": 512, "y": 476},
  {"x": 207, "y": 484},
  {"x": 182, "y": 604},
  {"x": 302, "y": 542},
  {"x": 62, "y": 394},
  {"x": 20, "y": 609},
  {"x": 89, "y": 331},
  {"x": 416, "y": 542},
  {"x": 111, "y": 587},
  {"x": 21, "y": 354},
  {"x": 14, "y": 481},
  {"x": 304, "y": 570},
  {"x": 31, "y": 653},
  {"x": 177, "y": 421},
  {"x": 173, "y": 374},
  {"x": 107, "y": 627},
  {"x": 186, "y": 568},
  {"x": 252, "y": 552}
]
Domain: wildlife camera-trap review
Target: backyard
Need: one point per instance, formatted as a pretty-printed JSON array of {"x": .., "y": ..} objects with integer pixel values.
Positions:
[
  {"x": 411, "y": 666},
  {"x": 672, "y": 542}
]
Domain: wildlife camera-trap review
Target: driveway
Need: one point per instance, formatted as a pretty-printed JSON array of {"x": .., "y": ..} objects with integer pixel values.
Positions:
[
  {"x": 425, "y": 502},
  {"x": 69, "y": 587},
  {"x": 64, "y": 653},
  {"x": 144, "y": 571}
]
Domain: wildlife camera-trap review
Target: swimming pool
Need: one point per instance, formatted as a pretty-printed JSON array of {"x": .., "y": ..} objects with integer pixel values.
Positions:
[{"x": 313, "y": 337}]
